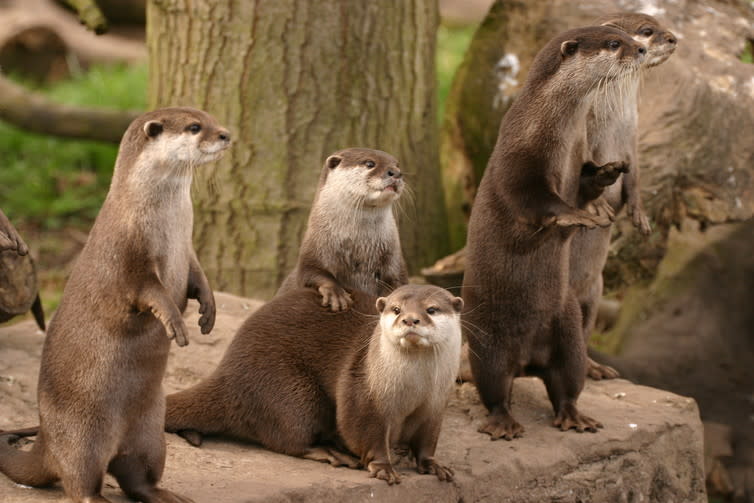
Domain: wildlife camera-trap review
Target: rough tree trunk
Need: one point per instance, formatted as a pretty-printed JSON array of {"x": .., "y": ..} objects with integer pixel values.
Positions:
[{"x": 294, "y": 81}]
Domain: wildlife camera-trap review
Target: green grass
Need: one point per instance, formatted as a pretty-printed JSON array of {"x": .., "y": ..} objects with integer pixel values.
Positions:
[
  {"x": 47, "y": 182},
  {"x": 452, "y": 42}
]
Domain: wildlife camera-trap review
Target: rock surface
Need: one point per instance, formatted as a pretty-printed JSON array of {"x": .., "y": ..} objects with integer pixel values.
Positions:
[{"x": 650, "y": 448}]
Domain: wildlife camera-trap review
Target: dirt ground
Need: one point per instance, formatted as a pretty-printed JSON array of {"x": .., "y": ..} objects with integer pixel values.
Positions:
[{"x": 651, "y": 444}]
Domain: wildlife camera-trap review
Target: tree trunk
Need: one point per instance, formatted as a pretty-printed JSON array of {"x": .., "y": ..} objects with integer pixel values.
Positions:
[{"x": 295, "y": 80}]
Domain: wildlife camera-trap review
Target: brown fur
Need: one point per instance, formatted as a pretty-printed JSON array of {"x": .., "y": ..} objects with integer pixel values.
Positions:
[
  {"x": 612, "y": 136},
  {"x": 101, "y": 406},
  {"x": 351, "y": 241},
  {"x": 9, "y": 237},
  {"x": 302, "y": 380},
  {"x": 522, "y": 317}
]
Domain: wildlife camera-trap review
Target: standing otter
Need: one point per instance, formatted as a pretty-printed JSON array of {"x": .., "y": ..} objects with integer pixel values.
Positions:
[
  {"x": 301, "y": 380},
  {"x": 351, "y": 240},
  {"x": 101, "y": 406},
  {"x": 515, "y": 285},
  {"x": 611, "y": 135}
]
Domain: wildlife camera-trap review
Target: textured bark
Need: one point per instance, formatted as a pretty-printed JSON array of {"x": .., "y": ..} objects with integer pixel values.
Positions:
[{"x": 295, "y": 80}]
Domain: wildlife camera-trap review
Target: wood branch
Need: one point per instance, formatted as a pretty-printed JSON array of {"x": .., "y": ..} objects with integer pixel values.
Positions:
[
  {"x": 34, "y": 112},
  {"x": 90, "y": 15}
]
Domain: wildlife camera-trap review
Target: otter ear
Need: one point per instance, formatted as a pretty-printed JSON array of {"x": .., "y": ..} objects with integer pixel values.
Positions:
[
  {"x": 333, "y": 161},
  {"x": 152, "y": 129},
  {"x": 569, "y": 47},
  {"x": 457, "y": 304},
  {"x": 381, "y": 303}
]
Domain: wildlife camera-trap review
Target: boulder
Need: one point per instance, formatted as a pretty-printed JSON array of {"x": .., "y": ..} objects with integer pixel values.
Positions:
[{"x": 650, "y": 449}]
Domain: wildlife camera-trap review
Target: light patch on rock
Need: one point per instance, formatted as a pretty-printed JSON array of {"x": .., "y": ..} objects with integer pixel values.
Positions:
[
  {"x": 506, "y": 71},
  {"x": 724, "y": 84},
  {"x": 750, "y": 86},
  {"x": 650, "y": 7}
]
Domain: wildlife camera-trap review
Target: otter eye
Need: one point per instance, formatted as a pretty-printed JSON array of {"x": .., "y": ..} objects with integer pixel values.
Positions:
[
  {"x": 432, "y": 310},
  {"x": 397, "y": 310},
  {"x": 369, "y": 164},
  {"x": 647, "y": 32},
  {"x": 194, "y": 128},
  {"x": 614, "y": 44}
]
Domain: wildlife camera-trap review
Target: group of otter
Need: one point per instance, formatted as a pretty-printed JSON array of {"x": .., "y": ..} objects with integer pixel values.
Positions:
[{"x": 348, "y": 363}]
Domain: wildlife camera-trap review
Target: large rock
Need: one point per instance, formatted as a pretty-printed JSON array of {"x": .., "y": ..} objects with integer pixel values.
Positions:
[
  {"x": 696, "y": 144},
  {"x": 650, "y": 449}
]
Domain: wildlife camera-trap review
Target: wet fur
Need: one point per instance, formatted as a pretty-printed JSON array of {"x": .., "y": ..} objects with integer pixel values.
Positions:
[
  {"x": 100, "y": 396},
  {"x": 297, "y": 376},
  {"x": 520, "y": 314}
]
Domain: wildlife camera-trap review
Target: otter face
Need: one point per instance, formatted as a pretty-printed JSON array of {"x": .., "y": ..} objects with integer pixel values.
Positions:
[
  {"x": 660, "y": 42},
  {"x": 600, "y": 52},
  {"x": 183, "y": 135},
  {"x": 372, "y": 177},
  {"x": 417, "y": 317}
]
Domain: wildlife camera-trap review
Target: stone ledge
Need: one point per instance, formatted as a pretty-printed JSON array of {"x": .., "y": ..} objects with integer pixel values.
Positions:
[{"x": 649, "y": 451}]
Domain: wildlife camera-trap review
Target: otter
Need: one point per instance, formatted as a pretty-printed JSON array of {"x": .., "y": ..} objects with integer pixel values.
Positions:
[
  {"x": 101, "y": 405},
  {"x": 612, "y": 134},
  {"x": 351, "y": 241},
  {"x": 521, "y": 315},
  {"x": 303, "y": 381}
]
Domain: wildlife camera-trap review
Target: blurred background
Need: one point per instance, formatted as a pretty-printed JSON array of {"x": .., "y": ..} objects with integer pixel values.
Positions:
[{"x": 428, "y": 82}]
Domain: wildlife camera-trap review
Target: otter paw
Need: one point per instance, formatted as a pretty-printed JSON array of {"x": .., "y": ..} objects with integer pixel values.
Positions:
[
  {"x": 429, "y": 465},
  {"x": 384, "y": 471},
  {"x": 599, "y": 372},
  {"x": 207, "y": 311},
  {"x": 332, "y": 456},
  {"x": 335, "y": 298},
  {"x": 641, "y": 221},
  {"x": 570, "y": 418},
  {"x": 177, "y": 330},
  {"x": 601, "y": 208},
  {"x": 582, "y": 219},
  {"x": 608, "y": 174},
  {"x": 505, "y": 427}
]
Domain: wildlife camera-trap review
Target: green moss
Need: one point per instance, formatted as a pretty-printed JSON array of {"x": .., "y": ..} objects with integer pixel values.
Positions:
[
  {"x": 748, "y": 55},
  {"x": 452, "y": 42}
]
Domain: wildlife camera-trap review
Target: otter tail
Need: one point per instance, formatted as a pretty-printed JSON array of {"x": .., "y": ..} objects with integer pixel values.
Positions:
[
  {"x": 194, "y": 412},
  {"x": 25, "y": 467},
  {"x": 39, "y": 313}
]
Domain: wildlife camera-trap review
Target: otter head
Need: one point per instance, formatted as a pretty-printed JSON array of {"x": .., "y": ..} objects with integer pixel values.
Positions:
[
  {"x": 168, "y": 142},
  {"x": 364, "y": 176},
  {"x": 417, "y": 317},
  {"x": 575, "y": 61},
  {"x": 645, "y": 29}
]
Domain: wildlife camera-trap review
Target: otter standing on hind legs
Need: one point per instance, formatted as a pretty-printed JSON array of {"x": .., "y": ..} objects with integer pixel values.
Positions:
[
  {"x": 516, "y": 288},
  {"x": 303, "y": 381},
  {"x": 351, "y": 240},
  {"x": 612, "y": 135},
  {"x": 101, "y": 405}
]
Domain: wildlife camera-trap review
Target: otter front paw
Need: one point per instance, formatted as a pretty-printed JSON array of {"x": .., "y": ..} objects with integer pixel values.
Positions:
[
  {"x": 384, "y": 471},
  {"x": 607, "y": 174},
  {"x": 639, "y": 218},
  {"x": 335, "y": 298},
  {"x": 207, "y": 311},
  {"x": 429, "y": 465},
  {"x": 176, "y": 329},
  {"x": 602, "y": 208},
  {"x": 580, "y": 219}
]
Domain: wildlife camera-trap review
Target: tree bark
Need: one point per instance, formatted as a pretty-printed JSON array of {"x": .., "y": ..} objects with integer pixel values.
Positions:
[{"x": 296, "y": 80}]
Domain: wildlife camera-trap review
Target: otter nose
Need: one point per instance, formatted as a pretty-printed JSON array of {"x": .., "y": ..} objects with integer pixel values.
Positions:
[
  {"x": 224, "y": 136},
  {"x": 394, "y": 172},
  {"x": 410, "y": 321},
  {"x": 642, "y": 51}
]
